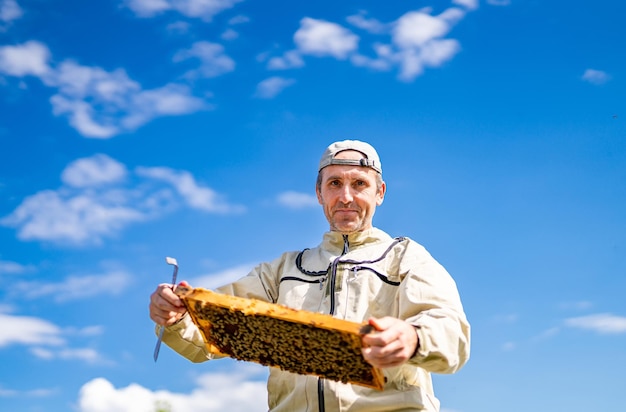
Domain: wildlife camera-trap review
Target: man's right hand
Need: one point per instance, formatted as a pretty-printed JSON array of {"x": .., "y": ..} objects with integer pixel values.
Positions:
[{"x": 166, "y": 308}]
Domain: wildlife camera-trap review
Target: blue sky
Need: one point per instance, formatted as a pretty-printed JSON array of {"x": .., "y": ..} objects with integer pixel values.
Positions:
[{"x": 139, "y": 129}]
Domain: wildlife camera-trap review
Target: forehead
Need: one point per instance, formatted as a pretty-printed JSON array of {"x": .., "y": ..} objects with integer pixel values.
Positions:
[{"x": 348, "y": 172}]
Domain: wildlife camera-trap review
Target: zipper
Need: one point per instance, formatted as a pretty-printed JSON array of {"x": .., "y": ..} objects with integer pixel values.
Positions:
[{"x": 332, "y": 278}]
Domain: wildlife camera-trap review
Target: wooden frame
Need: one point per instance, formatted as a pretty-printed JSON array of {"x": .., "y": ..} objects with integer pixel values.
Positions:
[{"x": 274, "y": 335}]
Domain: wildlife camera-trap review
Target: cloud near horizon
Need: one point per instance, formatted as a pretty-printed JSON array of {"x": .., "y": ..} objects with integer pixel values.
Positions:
[{"x": 243, "y": 389}]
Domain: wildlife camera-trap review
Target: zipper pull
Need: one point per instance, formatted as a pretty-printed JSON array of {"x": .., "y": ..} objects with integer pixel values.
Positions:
[
  {"x": 321, "y": 283},
  {"x": 353, "y": 271}
]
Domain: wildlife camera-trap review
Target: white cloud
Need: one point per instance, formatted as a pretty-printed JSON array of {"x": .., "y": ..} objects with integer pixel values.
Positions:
[
  {"x": 297, "y": 200},
  {"x": 271, "y": 87},
  {"x": 87, "y": 355},
  {"x": 238, "y": 390},
  {"x": 597, "y": 77},
  {"x": 101, "y": 104},
  {"x": 580, "y": 305},
  {"x": 289, "y": 60},
  {"x": 79, "y": 214},
  {"x": 26, "y": 330},
  {"x": 416, "y": 41},
  {"x": 74, "y": 218},
  {"x": 93, "y": 171},
  {"x": 169, "y": 100},
  {"x": 98, "y": 103},
  {"x": 204, "y": 9},
  {"x": 239, "y": 19},
  {"x": 322, "y": 38},
  {"x": 499, "y": 2},
  {"x": 45, "y": 341},
  {"x": 196, "y": 196},
  {"x": 9, "y": 11},
  {"x": 8, "y": 267},
  {"x": 468, "y": 4},
  {"x": 95, "y": 330},
  {"x": 369, "y": 25},
  {"x": 33, "y": 393},
  {"x": 28, "y": 59},
  {"x": 214, "y": 62},
  {"x": 75, "y": 287},
  {"x": 416, "y": 28},
  {"x": 417, "y": 37},
  {"x": 229, "y": 34},
  {"x": 224, "y": 277},
  {"x": 601, "y": 323},
  {"x": 433, "y": 54},
  {"x": 181, "y": 27}
]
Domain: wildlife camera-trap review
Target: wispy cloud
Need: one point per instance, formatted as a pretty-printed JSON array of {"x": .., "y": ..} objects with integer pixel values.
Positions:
[
  {"x": 213, "y": 60},
  {"x": 215, "y": 280},
  {"x": 97, "y": 103},
  {"x": 236, "y": 391},
  {"x": 597, "y": 77},
  {"x": 100, "y": 197},
  {"x": 203, "y": 9},
  {"x": 13, "y": 268},
  {"x": 75, "y": 287},
  {"x": 580, "y": 305},
  {"x": 289, "y": 60},
  {"x": 195, "y": 195},
  {"x": 370, "y": 25},
  {"x": 499, "y": 2},
  {"x": 272, "y": 86},
  {"x": 33, "y": 393},
  {"x": 468, "y": 4},
  {"x": 297, "y": 200},
  {"x": 46, "y": 340},
  {"x": 87, "y": 355},
  {"x": 604, "y": 323},
  {"x": 26, "y": 330},
  {"x": 9, "y": 11}
]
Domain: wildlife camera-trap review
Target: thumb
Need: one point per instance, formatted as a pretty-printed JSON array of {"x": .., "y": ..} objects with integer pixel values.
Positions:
[{"x": 377, "y": 324}]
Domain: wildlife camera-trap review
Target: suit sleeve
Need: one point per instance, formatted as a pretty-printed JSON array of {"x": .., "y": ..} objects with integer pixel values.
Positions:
[{"x": 430, "y": 302}]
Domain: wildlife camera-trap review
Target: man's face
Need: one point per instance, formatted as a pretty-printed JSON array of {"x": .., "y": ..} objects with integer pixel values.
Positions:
[{"x": 349, "y": 195}]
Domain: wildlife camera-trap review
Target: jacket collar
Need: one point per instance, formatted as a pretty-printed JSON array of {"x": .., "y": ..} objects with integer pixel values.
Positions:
[{"x": 334, "y": 241}]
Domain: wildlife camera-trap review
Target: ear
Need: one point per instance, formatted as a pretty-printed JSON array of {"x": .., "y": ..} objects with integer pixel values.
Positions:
[
  {"x": 319, "y": 195},
  {"x": 380, "y": 196}
]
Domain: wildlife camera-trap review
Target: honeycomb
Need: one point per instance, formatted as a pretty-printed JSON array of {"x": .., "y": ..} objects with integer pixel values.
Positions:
[{"x": 301, "y": 342}]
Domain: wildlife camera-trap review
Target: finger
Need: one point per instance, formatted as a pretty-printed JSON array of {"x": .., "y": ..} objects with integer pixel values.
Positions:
[
  {"x": 165, "y": 307},
  {"x": 166, "y": 292},
  {"x": 377, "y": 358},
  {"x": 163, "y": 317}
]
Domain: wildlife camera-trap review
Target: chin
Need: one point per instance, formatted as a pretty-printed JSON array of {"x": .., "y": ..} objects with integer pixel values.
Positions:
[{"x": 347, "y": 229}]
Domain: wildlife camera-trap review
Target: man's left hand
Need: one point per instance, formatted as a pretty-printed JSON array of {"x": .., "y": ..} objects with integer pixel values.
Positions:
[{"x": 393, "y": 342}]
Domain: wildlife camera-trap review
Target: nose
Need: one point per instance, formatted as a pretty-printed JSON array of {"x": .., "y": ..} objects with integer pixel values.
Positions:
[{"x": 346, "y": 195}]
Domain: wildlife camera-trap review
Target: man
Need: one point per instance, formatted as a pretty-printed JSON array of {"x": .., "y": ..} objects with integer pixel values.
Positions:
[{"x": 358, "y": 273}]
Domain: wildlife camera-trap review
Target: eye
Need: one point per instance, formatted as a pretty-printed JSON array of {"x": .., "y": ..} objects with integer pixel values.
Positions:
[{"x": 334, "y": 182}]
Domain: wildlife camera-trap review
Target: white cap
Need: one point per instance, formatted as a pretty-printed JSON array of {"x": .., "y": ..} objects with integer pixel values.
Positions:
[{"x": 371, "y": 159}]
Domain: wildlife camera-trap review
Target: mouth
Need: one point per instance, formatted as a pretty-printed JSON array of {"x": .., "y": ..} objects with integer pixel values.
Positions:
[{"x": 345, "y": 211}]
